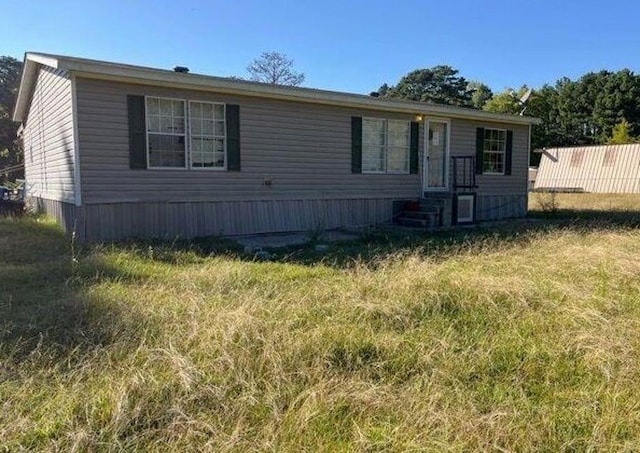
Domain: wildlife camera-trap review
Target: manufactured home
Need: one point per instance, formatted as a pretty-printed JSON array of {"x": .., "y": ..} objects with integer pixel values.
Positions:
[
  {"x": 599, "y": 169},
  {"x": 115, "y": 151}
]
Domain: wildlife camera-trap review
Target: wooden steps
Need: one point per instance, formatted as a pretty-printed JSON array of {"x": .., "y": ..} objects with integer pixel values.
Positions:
[{"x": 427, "y": 217}]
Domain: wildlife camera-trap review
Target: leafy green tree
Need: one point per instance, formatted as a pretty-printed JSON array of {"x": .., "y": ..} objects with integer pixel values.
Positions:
[
  {"x": 621, "y": 134},
  {"x": 10, "y": 70},
  {"x": 505, "y": 102},
  {"x": 481, "y": 93},
  {"x": 10, "y": 150},
  {"x": 586, "y": 110},
  {"x": 439, "y": 85},
  {"x": 542, "y": 104}
]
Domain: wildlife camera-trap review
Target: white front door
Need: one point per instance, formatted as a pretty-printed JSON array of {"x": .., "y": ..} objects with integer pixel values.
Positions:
[{"x": 436, "y": 155}]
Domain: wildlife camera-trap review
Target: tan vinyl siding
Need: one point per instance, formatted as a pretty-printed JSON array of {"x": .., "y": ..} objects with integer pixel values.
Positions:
[
  {"x": 604, "y": 169},
  {"x": 48, "y": 138},
  {"x": 463, "y": 143},
  {"x": 303, "y": 150}
]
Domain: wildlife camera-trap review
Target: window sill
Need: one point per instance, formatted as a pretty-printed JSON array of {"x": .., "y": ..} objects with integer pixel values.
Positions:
[
  {"x": 391, "y": 173},
  {"x": 167, "y": 168},
  {"x": 208, "y": 169},
  {"x": 185, "y": 169}
]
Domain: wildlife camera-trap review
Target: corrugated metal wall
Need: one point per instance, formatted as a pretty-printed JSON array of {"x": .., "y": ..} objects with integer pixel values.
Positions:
[{"x": 604, "y": 169}]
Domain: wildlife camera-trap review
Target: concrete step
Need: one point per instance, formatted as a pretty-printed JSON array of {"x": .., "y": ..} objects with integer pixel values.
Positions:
[
  {"x": 430, "y": 207},
  {"x": 420, "y": 223},
  {"x": 424, "y": 215},
  {"x": 431, "y": 204},
  {"x": 437, "y": 196}
]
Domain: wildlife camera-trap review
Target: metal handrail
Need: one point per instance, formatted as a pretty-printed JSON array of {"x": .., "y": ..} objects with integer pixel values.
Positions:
[{"x": 467, "y": 166}]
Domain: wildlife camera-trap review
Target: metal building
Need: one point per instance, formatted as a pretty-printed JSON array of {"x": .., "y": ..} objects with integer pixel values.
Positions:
[{"x": 601, "y": 168}]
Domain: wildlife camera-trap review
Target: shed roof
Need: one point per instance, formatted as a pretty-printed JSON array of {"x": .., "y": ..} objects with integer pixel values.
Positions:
[
  {"x": 151, "y": 76},
  {"x": 601, "y": 168}
]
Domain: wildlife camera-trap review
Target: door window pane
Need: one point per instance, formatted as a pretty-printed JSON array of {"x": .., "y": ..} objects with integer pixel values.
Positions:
[{"x": 437, "y": 154}]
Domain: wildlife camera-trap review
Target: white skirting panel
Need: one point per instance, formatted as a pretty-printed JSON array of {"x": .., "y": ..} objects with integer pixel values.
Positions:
[{"x": 496, "y": 207}]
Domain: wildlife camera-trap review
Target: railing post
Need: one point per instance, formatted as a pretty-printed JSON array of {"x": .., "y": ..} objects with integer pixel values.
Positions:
[
  {"x": 473, "y": 171},
  {"x": 455, "y": 174},
  {"x": 466, "y": 180}
]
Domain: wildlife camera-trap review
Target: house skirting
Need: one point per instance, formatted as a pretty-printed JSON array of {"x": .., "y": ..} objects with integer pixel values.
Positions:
[
  {"x": 497, "y": 207},
  {"x": 66, "y": 214},
  {"x": 168, "y": 220}
]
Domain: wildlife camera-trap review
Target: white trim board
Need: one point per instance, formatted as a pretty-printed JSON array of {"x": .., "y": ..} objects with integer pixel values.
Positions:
[
  {"x": 77, "y": 184},
  {"x": 425, "y": 154}
]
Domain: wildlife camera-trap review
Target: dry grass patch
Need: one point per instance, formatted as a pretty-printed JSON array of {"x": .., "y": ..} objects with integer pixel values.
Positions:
[
  {"x": 526, "y": 340},
  {"x": 586, "y": 201}
]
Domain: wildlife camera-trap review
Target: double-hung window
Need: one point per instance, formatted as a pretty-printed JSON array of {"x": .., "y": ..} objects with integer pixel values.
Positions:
[
  {"x": 166, "y": 136},
  {"x": 374, "y": 142},
  {"x": 494, "y": 151},
  {"x": 385, "y": 145},
  {"x": 207, "y": 141},
  {"x": 181, "y": 134}
]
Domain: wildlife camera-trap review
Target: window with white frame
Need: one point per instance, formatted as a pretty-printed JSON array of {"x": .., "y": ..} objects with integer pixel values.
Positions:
[
  {"x": 207, "y": 135},
  {"x": 398, "y": 145},
  {"x": 494, "y": 151},
  {"x": 166, "y": 136},
  {"x": 171, "y": 144},
  {"x": 374, "y": 140},
  {"x": 385, "y": 145}
]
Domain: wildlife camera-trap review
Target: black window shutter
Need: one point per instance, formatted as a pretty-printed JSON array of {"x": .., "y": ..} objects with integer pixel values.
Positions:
[
  {"x": 508, "y": 158},
  {"x": 356, "y": 144},
  {"x": 232, "y": 113},
  {"x": 479, "y": 150},
  {"x": 137, "y": 132},
  {"x": 413, "y": 151}
]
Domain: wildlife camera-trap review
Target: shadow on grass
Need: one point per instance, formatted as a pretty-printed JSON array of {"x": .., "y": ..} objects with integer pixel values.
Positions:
[
  {"x": 377, "y": 245},
  {"x": 592, "y": 218},
  {"x": 46, "y": 307},
  {"x": 374, "y": 245}
]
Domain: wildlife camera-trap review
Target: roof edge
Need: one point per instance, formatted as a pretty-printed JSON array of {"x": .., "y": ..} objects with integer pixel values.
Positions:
[
  {"x": 30, "y": 65},
  {"x": 152, "y": 76}
]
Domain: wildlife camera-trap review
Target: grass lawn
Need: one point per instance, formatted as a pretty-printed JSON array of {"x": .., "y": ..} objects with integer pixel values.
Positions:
[{"x": 514, "y": 338}]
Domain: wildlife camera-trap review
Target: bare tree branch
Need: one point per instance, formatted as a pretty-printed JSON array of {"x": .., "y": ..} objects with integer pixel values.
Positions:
[{"x": 275, "y": 68}]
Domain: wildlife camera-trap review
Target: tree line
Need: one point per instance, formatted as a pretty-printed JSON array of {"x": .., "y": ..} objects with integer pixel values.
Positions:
[
  {"x": 597, "y": 108},
  {"x": 10, "y": 148}
]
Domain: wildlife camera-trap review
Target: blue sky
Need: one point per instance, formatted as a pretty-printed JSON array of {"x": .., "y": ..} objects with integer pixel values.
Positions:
[{"x": 344, "y": 45}]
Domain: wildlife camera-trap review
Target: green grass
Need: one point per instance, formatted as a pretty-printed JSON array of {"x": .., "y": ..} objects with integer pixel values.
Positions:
[{"x": 514, "y": 338}]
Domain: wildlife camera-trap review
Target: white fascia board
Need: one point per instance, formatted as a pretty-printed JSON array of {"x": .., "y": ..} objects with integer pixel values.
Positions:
[
  {"x": 27, "y": 80},
  {"x": 45, "y": 60}
]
